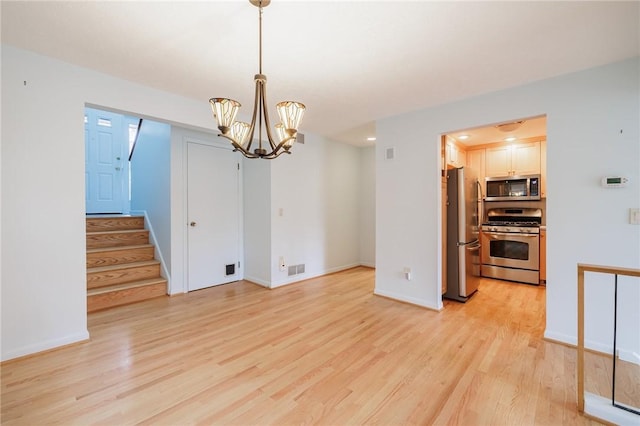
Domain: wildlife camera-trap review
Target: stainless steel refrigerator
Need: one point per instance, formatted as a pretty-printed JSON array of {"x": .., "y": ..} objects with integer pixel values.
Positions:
[{"x": 464, "y": 211}]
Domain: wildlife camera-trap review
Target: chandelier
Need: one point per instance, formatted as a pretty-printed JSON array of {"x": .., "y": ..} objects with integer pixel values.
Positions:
[{"x": 241, "y": 134}]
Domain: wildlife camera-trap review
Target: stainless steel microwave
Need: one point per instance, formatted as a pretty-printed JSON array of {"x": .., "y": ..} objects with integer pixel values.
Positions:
[{"x": 513, "y": 188}]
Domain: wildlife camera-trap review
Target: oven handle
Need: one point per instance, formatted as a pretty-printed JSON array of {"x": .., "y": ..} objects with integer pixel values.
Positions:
[{"x": 495, "y": 235}]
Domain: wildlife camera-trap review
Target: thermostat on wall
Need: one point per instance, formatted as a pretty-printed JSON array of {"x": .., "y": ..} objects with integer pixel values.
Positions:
[{"x": 614, "y": 181}]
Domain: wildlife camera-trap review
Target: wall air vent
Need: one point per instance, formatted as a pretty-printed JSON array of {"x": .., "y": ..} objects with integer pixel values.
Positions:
[
  {"x": 296, "y": 269},
  {"x": 389, "y": 153}
]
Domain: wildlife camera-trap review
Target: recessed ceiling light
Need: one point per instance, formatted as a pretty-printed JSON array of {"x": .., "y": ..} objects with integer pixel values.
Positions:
[
  {"x": 371, "y": 138},
  {"x": 463, "y": 137},
  {"x": 510, "y": 139}
]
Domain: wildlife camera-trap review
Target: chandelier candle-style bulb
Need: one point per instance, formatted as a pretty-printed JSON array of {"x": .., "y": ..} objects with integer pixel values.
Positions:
[
  {"x": 225, "y": 111},
  {"x": 240, "y": 134}
]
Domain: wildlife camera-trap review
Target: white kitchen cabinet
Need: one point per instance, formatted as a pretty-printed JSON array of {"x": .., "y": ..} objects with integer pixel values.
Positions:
[
  {"x": 476, "y": 161},
  {"x": 525, "y": 159},
  {"x": 513, "y": 160},
  {"x": 456, "y": 157},
  {"x": 498, "y": 161}
]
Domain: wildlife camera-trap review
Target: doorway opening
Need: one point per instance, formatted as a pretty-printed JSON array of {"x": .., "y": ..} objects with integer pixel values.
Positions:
[
  {"x": 503, "y": 152},
  {"x": 109, "y": 141}
]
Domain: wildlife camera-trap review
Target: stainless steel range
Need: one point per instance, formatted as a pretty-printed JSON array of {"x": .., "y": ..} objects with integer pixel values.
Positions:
[{"x": 511, "y": 244}]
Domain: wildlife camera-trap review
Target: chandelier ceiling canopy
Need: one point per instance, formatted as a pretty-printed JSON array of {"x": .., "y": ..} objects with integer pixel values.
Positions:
[{"x": 240, "y": 134}]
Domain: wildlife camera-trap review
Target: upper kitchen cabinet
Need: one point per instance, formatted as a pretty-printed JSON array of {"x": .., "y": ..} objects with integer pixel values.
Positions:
[
  {"x": 455, "y": 155},
  {"x": 513, "y": 160},
  {"x": 476, "y": 161}
]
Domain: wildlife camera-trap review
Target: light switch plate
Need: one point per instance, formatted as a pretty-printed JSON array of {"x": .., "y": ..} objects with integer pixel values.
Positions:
[{"x": 634, "y": 216}]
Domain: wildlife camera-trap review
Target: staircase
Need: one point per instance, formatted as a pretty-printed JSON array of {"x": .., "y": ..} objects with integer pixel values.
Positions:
[{"x": 121, "y": 267}]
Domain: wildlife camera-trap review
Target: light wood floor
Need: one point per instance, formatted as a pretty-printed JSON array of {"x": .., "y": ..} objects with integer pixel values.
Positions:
[{"x": 325, "y": 351}]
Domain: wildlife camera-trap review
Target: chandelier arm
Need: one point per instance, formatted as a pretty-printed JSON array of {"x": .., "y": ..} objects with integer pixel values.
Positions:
[
  {"x": 253, "y": 117},
  {"x": 260, "y": 107},
  {"x": 266, "y": 115},
  {"x": 248, "y": 154},
  {"x": 237, "y": 146},
  {"x": 273, "y": 156},
  {"x": 278, "y": 149}
]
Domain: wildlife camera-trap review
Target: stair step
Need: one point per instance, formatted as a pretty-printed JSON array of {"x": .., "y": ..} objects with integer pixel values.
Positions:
[
  {"x": 117, "y": 238},
  {"x": 114, "y": 223},
  {"x": 106, "y": 256},
  {"x": 122, "y": 294},
  {"x": 103, "y": 276}
]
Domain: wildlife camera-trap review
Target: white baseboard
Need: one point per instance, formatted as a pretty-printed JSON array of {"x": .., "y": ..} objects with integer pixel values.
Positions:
[
  {"x": 403, "y": 298},
  {"x": 46, "y": 345},
  {"x": 623, "y": 353},
  {"x": 597, "y": 406},
  {"x": 305, "y": 276},
  {"x": 258, "y": 281}
]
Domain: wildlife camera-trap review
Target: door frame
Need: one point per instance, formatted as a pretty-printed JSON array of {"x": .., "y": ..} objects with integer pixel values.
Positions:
[{"x": 185, "y": 205}]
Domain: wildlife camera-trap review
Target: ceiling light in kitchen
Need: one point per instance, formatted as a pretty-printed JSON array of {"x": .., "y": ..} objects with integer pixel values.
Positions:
[
  {"x": 510, "y": 139},
  {"x": 510, "y": 127}
]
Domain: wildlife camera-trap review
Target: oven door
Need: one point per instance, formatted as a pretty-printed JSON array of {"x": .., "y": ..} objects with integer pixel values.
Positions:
[{"x": 511, "y": 250}]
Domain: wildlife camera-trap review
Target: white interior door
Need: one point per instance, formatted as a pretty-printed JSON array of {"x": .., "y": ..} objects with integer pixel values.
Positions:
[
  {"x": 105, "y": 148},
  {"x": 213, "y": 214}
]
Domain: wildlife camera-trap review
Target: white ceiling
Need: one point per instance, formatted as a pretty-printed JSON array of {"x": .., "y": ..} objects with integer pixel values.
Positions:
[
  {"x": 350, "y": 62},
  {"x": 528, "y": 128}
]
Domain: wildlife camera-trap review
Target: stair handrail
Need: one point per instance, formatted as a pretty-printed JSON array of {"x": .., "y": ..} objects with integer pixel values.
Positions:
[
  {"x": 611, "y": 270},
  {"x": 135, "y": 140}
]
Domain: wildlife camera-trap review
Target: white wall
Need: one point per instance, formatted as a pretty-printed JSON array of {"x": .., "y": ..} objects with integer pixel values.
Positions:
[
  {"x": 43, "y": 205},
  {"x": 257, "y": 220},
  {"x": 592, "y": 130},
  {"x": 43, "y": 165},
  {"x": 43, "y": 223},
  {"x": 317, "y": 188},
  {"x": 367, "y": 206},
  {"x": 151, "y": 183}
]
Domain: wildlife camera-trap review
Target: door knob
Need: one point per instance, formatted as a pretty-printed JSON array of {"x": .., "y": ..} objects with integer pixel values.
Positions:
[{"x": 192, "y": 224}]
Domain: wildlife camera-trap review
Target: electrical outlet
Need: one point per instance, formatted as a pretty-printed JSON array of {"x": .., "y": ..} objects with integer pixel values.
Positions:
[
  {"x": 282, "y": 264},
  {"x": 634, "y": 216}
]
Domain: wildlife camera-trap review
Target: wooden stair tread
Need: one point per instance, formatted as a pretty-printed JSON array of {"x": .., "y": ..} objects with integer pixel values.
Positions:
[
  {"x": 112, "y": 216},
  {"x": 122, "y": 231},
  {"x": 123, "y": 266},
  {"x": 126, "y": 286},
  {"x": 117, "y": 248}
]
